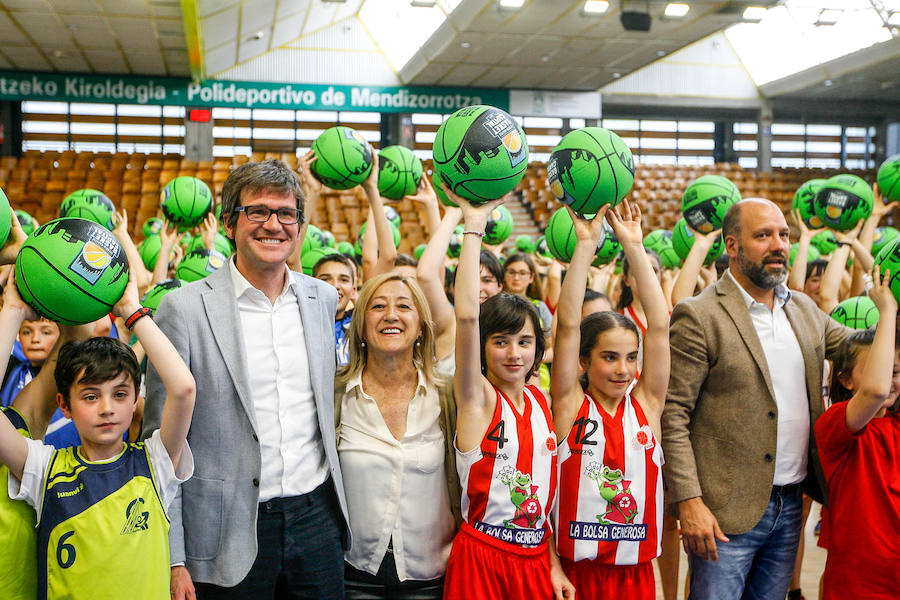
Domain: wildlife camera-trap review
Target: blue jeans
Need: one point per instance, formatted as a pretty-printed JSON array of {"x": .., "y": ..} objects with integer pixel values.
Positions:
[{"x": 756, "y": 565}]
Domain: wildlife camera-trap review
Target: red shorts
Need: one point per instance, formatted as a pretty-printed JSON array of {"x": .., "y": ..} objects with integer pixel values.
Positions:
[
  {"x": 597, "y": 580},
  {"x": 482, "y": 567}
]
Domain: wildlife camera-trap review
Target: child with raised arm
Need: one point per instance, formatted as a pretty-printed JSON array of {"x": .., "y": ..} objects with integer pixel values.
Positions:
[
  {"x": 859, "y": 445},
  {"x": 609, "y": 509},
  {"x": 505, "y": 444},
  {"x": 101, "y": 507}
]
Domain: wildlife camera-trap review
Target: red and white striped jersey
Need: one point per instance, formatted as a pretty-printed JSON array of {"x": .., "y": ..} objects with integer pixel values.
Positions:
[
  {"x": 509, "y": 481},
  {"x": 610, "y": 503}
]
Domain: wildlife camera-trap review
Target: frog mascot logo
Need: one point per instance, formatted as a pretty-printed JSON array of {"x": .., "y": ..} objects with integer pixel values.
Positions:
[
  {"x": 621, "y": 507},
  {"x": 523, "y": 495}
]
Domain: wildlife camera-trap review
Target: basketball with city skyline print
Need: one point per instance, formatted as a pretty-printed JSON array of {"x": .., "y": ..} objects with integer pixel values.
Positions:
[
  {"x": 589, "y": 168},
  {"x": 71, "y": 271},
  {"x": 480, "y": 153}
]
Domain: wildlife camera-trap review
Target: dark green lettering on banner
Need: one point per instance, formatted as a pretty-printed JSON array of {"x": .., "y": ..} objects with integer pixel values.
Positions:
[{"x": 242, "y": 94}]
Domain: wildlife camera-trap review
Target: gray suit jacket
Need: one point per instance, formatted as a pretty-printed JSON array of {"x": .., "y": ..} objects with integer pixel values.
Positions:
[
  {"x": 213, "y": 518},
  {"x": 720, "y": 422}
]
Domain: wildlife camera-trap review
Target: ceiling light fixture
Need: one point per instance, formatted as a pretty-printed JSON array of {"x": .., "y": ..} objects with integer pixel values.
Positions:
[
  {"x": 465, "y": 45},
  {"x": 828, "y": 83},
  {"x": 828, "y": 16},
  {"x": 423, "y": 3},
  {"x": 594, "y": 7},
  {"x": 754, "y": 14},
  {"x": 510, "y": 4},
  {"x": 676, "y": 10},
  {"x": 336, "y": 1}
]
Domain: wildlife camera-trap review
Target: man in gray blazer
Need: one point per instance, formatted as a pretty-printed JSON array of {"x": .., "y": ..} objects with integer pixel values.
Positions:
[
  {"x": 264, "y": 515},
  {"x": 745, "y": 390}
]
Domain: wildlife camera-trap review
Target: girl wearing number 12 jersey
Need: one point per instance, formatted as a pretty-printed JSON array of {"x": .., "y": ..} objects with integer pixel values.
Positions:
[
  {"x": 608, "y": 515},
  {"x": 506, "y": 446}
]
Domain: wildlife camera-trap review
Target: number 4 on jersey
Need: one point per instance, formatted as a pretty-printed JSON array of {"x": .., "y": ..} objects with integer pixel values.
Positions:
[{"x": 496, "y": 434}]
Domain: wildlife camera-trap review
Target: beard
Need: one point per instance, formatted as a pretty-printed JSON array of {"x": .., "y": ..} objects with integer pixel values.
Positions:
[{"x": 760, "y": 274}]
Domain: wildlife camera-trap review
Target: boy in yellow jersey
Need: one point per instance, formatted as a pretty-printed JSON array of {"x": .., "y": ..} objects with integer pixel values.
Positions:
[
  {"x": 30, "y": 414},
  {"x": 101, "y": 507}
]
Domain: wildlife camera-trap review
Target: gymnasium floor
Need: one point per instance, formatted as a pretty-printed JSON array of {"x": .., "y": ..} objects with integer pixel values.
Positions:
[{"x": 813, "y": 563}]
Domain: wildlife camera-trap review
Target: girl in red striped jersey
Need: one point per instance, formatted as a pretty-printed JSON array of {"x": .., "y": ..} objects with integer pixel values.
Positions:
[
  {"x": 608, "y": 513},
  {"x": 505, "y": 443}
]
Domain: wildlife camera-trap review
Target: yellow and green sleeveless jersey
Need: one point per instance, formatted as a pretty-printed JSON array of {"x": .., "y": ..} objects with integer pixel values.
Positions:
[
  {"x": 18, "y": 556},
  {"x": 103, "y": 529}
]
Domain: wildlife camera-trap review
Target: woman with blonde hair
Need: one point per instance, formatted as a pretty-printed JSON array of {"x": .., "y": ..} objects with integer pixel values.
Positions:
[{"x": 395, "y": 424}]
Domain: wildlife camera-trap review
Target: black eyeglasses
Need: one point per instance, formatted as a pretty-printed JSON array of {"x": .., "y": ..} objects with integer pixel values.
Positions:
[{"x": 261, "y": 214}]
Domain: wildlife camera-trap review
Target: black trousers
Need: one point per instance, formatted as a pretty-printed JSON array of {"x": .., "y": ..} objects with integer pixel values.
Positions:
[
  {"x": 386, "y": 584},
  {"x": 300, "y": 553}
]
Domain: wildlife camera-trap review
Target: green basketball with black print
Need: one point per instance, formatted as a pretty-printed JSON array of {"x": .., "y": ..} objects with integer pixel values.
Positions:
[
  {"x": 343, "y": 158},
  {"x": 186, "y": 201},
  {"x": 71, "y": 271},
  {"x": 89, "y": 204}
]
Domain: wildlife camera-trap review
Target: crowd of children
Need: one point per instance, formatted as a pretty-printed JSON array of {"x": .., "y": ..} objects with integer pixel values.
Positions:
[{"x": 559, "y": 373}]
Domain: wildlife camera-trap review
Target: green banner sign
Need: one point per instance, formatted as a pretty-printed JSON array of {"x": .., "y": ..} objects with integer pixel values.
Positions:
[{"x": 243, "y": 94}]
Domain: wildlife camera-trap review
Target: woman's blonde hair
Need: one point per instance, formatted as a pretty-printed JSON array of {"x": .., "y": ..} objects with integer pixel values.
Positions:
[{"x": 423, "y": 350}]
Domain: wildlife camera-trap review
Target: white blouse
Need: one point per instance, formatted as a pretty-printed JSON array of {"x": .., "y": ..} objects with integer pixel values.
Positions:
[{"x": 396, "y": 489}]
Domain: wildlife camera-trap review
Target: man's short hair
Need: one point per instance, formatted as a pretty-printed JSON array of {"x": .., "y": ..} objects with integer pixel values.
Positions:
[
  {"x": 254, "y": 177},
  {"x": 101, "y": 359},
  {"x": 338, "y": 258},
  {"x": 731, "y": 224}
]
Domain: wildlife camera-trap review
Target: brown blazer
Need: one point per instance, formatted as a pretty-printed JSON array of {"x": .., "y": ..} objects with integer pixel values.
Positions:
[{"x": 719, "y": 425}]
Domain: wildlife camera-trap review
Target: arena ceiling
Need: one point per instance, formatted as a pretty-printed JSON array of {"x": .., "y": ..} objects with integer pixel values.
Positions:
[{"x": 548, "y": 44}]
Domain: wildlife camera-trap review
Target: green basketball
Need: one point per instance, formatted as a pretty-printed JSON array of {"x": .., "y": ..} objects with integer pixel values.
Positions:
[
  {"x": 560, "y": 235},
  {"x": 149, "y": 251},
  {"x": 186, "y": 201},
  {"x": 825, "y": 242},
  {"x": 91, "y": 205},
  {"x": 439, "y": 192},
  {"x": 811, "y": 254},
  {"x": 343, "y": 158},
  {"x": 455, "y": 246},
  {"x": 883, "y": 236},
  {"x": 541, "y": 247},
  {"x": 153, "y": 296},
  {"x": 857, "y": 313},
  {"x": 889, "y": 179},
  {"x": 199, "y": 263},
  {"x": 590, "y": 167},
  {"x": 221, "y": 243},
  {"x": 481, "y": 153},
  {"x": 71, "y": 271},
  {"x": 328, "y": 239},
  {"x": 312, "y": 239},
  {"x": 499, "y": 226},
  {"x": 706, "y": 200},
  {"x": 658, "y": 239},
  {"x": 417, "y": 252},
  {"x": 683, "y": 241},
  {"x": 843, "y": 200},
  {"x": 309, "y": 259},
  {"x": 399, "y": 172},
  {"x": 608, "y": 247},
  {"x": 668, "y": 258},
  {"x": 346, "y": 248},
  {"x": 357, "y": 247},
  {"x": 805, "y": 202},
  {"x": 525, "y": 244},
  {"x": 889, "y": 260},
  {"x": 26, "y": 221},
  {"x": 392, "y": 215},
  {"x": 152, "y": 226}
]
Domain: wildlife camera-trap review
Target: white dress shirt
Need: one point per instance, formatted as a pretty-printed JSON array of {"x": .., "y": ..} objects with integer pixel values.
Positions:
[
  {"x": 293, "y": 457},
  {"x": 396, "y": 489},
  {"x": 788, "y": 374}
]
